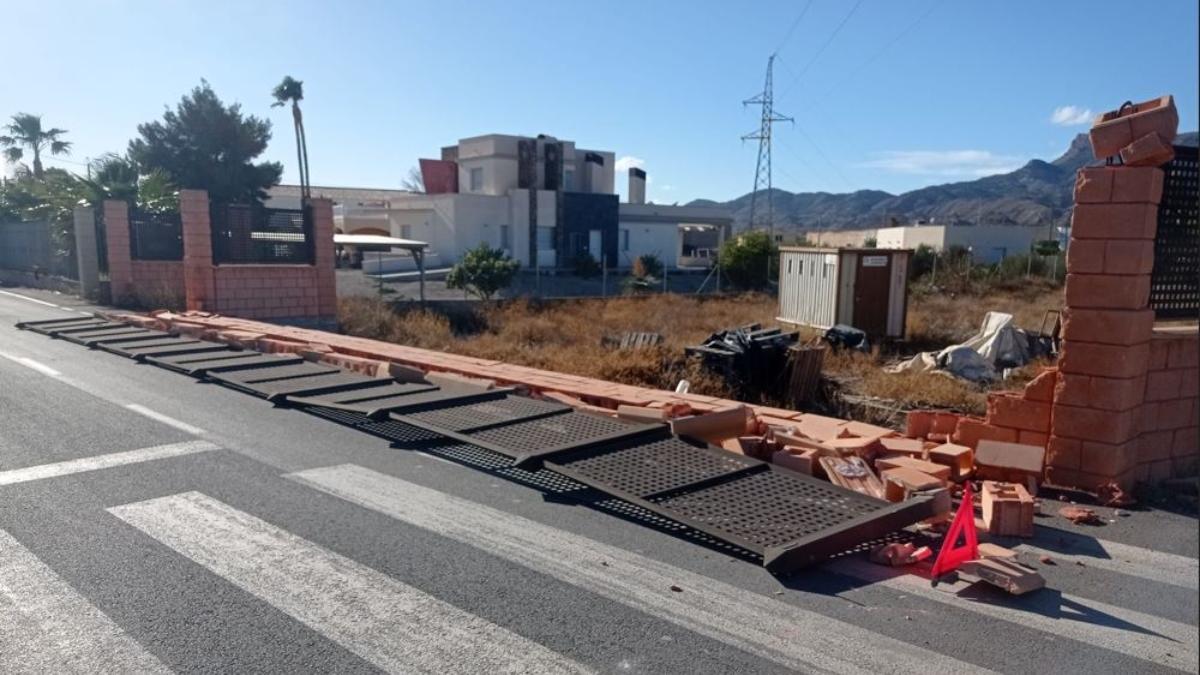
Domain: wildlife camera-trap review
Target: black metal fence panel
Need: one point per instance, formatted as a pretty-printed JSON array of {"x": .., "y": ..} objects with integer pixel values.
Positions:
[
  {"x": 254, "y": 234},
  {"x": 155, "y": 236},
  {"x": 1175, "y": 281},
  {"x": 101, "y": 243}
]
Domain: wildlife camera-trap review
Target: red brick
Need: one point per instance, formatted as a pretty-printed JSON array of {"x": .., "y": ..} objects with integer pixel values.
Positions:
[
  {"x": 1122, "y": 256},
  {"x": 1155, "y": 445},
  {"x": 1094, "y": 185},
  {"x": 1148, "y": 417},
  {"x": 1032, "y": 438},
  {"x": 1062, "y": 476},
  {"x": 1115, "y": 129},
  {"x": 1162, "y": 385},
  {"x": 1149, "y": 150},
  {"x": 1107, "y": 459},
  {"x": 1088, "y": 358},
  {"x": 1041, "y": 388},
  {"x": 1072, "y": 389},
  {"x": 1086, "y": 256},
  {"x": 1186, "y": 442},
  {"x": 1190, "y": 386},
  {"x": 1160, "y": 351},
  {"x": 1116, "y": 394},
  {"x": 1109, "y": 326},
  {"x": 1009, "y": 410},
  {"x": 1175, "y": 414},
  {"x": 1094, "y": 425},
  {"x": 1108, "y": 291},
  {"x": 1063, "y": 452},
  {"x": 1160, "y": 471},
  {"x": 1183, "y": 353},
  {"x": 1105, "y": 184},
  {"x": 1114, "y": 221}
]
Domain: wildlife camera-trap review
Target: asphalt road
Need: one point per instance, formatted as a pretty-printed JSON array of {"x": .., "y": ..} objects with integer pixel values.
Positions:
[{"x": 150, "y": 523}]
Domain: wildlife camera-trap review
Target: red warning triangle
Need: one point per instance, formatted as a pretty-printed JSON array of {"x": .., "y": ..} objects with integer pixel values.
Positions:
[{"x": 954, "y": 554}]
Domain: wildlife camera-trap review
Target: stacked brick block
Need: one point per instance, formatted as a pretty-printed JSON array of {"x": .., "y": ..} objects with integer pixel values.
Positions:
[
  {"x": 1169, "y": 416},
  {"x": 1108, "y": 325},
  {"x": 116, "y": 243}
]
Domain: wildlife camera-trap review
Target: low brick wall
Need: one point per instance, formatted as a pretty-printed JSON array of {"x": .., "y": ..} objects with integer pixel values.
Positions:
[
  {"x": 267, "y": 291},
  {"x": 156, "y": 283},
  {"x": 1169, "y": 417}
]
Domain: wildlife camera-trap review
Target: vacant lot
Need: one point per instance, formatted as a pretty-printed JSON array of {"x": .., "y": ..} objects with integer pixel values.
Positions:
[{"x": 567, "y": 336}]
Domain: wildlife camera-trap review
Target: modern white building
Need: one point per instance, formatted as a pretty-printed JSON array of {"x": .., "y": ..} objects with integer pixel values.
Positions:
[
  {"x": 987, "y": 243},
  {"x": 543, "y": 200}
]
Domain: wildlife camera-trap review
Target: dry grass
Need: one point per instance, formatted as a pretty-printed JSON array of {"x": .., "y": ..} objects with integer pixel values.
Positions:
[{"x": 565, "y": 336}]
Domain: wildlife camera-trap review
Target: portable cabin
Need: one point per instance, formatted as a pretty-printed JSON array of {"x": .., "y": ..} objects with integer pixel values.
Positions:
[{"x": 862, "y": 287}]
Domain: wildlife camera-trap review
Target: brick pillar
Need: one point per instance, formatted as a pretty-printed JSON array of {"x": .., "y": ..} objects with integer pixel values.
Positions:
[
  {"x": 324, "y": 258},
  {"x": 86, "y": 254},
  {"x": 120, "y": 262},
  {"x": 198, "y": 276},
  {"x": 1107, "y": 328}
]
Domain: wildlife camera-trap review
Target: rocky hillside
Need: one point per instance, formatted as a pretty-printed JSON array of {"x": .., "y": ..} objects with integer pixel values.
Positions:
[{"x": 1038, "y": 193}]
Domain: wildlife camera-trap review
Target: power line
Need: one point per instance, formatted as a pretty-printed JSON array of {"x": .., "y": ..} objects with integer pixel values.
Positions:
[
  {"x": 828, "y": 41},
  {"x": 871, "y": 59},
  {"x": 787, "y": 36}
]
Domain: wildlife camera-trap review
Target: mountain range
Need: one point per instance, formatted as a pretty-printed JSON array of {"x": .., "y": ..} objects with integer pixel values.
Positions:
[{"x": 1039, "y": 193}]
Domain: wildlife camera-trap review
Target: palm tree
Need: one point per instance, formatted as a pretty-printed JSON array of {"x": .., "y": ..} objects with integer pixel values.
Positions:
[
  {"x": 26, "y": 133},
  {"x": 292, "y": 90}
]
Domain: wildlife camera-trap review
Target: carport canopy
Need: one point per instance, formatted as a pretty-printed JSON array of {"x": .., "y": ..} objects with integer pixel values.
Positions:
[{"x": 381, "y": 243}]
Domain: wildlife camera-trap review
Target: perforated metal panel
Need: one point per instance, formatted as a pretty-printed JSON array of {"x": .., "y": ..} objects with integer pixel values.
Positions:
[
  {"x": 179, "y": 345},
  {"x": 468, "y": 416},
  {"x": 49, "y": 324},
  {"x": 1175, "y": 281},
  {"x": 107, "y": 335},
  {"x": 199, "y": 365},
  {"x": 400, "y": 433},
  {"x": 332, "y": 381},
  {"x": 279, "y": 372},
  {"x": 649, "y": 468},
  {"x": 767, "y": 509},
  {"x": 83, "y": 328},
  {"x": 538, "y": 436}
]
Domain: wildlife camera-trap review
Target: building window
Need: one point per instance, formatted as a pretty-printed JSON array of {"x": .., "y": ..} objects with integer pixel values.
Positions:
[
  {"x": 569, "y": 181},
  {"x": 406, "y": 231},
  {"x": 476, "y": 180},
  {"x": 545, "y": 238},
  {"x": 505, "y": 238},
  {"x": 789, "y": 266},
  {"x": 624, "y": 240}
]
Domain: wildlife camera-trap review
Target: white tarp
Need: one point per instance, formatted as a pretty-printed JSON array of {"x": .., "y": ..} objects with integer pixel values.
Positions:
[{"x": 998, "y": 345}]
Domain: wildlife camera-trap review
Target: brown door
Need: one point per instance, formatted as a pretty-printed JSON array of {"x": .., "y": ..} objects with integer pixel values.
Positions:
[{"x": 871, "y": 287}]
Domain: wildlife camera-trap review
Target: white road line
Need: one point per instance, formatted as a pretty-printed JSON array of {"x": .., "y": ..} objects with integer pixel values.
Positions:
[
  {"x": 30, "y": 363},
  {"x": 394, "y": 626},
  {"x": 29, "y": 299},
  {"x": 48, "y": 627},
  {"x": 97, "y": 462},
  {"x": 1166, "y": 568},
  {"x": 1143, "y": 636},
  {"x": 165, "y": 419},
  {"x": 794, "y": 637}
]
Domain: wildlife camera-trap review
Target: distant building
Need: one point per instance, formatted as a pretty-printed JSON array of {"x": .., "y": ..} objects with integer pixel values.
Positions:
[
  {"x": 543, "y": 200},
  {"x": 987, "y": 243}
]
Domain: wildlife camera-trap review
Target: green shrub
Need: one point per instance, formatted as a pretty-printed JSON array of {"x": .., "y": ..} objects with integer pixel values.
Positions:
[
  {"x": 750, "y": 260},
  {"x": 483, "y": 271}
]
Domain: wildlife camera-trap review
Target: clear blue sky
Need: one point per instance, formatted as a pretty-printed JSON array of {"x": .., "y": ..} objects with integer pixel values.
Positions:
[{"x": 905, "y": 94}]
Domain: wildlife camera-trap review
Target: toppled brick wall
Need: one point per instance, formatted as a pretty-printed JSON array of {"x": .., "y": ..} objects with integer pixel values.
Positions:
[{"x": 1122, "y": 406}]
